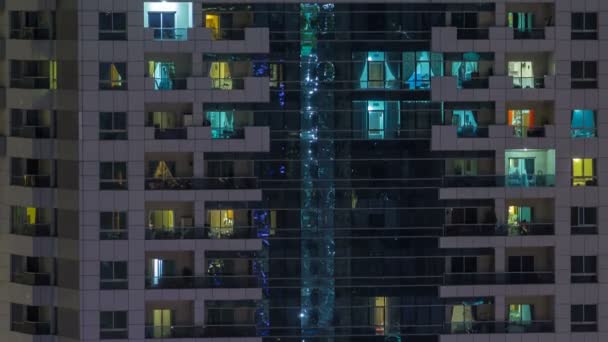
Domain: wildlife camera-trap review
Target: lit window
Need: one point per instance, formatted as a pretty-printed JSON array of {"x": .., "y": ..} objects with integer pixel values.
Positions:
[
  {"x": 522, "y": 73},
  {"x": 221, "y": 223},
  {"x": 419, "y": 67},
  {"x": 375, "y": 120},
  {"x": 112, "y": 76},
  {"x": 583, "y": 172},
  {"x": 212, "y": 21},
  {"x": 582, "y": 124},
  {"x": 220, "y": 75},
  {"x": 161, "y": 219},
  {"x": 222, "y": 124},
  {"x": 521, "y": 120}
]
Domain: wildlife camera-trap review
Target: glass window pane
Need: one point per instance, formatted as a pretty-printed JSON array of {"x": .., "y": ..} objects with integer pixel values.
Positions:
[
  {"x": 590, "y": 69},
  {"x": 576, "y": 264},
  {"x": 120, "y": 270},
  {"x": 105, "y": 120},
  {"x": 576, "y": 313},
  {"x": 105, "y": 21},
  {"x": 120, "y": 320},
  {"x": 576, "y": 70},
  {"x": 120, "y": 120},
  {"x": 106, "y": 320},
  {"x": 120, "y": 21},
  {"x": 590, "y": 21},
  {"x": 590, "y": 313},
  {"x": 106, "y": 270},
  {"x": 105, "y": 170}
]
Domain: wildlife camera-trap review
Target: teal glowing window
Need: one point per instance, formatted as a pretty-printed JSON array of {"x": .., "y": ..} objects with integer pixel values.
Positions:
[
  {"x": 375, "y": 119},
  {"x": 419, "y": 67},
  {"x": 378, "y": 71},
  {"x": 466, "y": 69},
  {"x": 582, "y": 124},
  {"x": 222, "y": 124},
  {"x": 466, "y": 122}
]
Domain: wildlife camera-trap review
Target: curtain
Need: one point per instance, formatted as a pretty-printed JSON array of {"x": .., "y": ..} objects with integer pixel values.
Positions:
[
  {"x": 115, "y": 77},
  {"x": 583, "y": 123}
]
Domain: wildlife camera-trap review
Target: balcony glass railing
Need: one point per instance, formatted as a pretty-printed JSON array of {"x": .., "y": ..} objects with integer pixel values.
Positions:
[
  {"x": 487, "y": 327},
  {"x": 536, "y": 33},
  {"x": 170, "y": 83},
  {"x": 113, "y": 284},
  {"x": 32, "y": 132},
  {"x": 36, "y": 229},
  {"x": 480, "y": 278},
  {"x": 31, "y": 33},
  {"x": 473, "y": 33},
  {"x": 179, "y": 233},
  {"x": 516, "y": 181},
  {"x": 528, "y": 82},
  {"x": 529, "y": 132},
  {"x": 30, "y": 278},
  {"x": 170, "y": 33},
  {"x": 34, "y": 181},
  {"x": 207, "y": 281},
  {"x": 491, "y": 229},
  {"x": 193, "y": 331},
  {"x": 190, "y": 183},
  {"x": 32, "y": 328},
  {"x": 113, "y": 234},
  {"x": 223, "y": 133},
  {"x": 31, "y": 82},
  {"x": 177, "y": 133}
]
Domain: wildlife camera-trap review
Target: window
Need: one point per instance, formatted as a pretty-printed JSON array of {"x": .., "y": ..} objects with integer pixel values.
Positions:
[
  {"x": 520, "y": 264},
  {"x": 113, "y": 325},
  {"x": 112, "y": 26},
  {"x": 522, "y": 73},
  {"x": 113, "y": 225},
  {"x": 583, "y": 172},
  {"x": 419, "y": 67},
  {"x": 583, "y": 220},
  {"x": 582, "y": 124},
  {"x": 584, "y": 26},
  {"x": 221, "y": 223},
  {"x": 112, "y": 126},
  {"x": 113, "y": 176},
  {"x": 464, "y": 264},
  {"x": 583, "y": 269},
  {"x": 113, "y": 275},
  {"x": 583, "y": 75},
  {"x": 583, "y": 318},
  {"x": 112, "y": 76}
]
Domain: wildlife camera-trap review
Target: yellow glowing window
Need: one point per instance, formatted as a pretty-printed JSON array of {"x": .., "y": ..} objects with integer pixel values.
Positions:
[
  {"x": 212, "y": 21},
  {"x": 583, "y": 172},
  {"x": 220, "y": 75},
  {"x": 31, "y": 215},
  {"x": 221, "y": 223},
  {"x": 378, "y": 314},
  {"x": 161, "y": 219},
  {"x": 163, "y": 320},
  {"x": 52, "y": 74}
]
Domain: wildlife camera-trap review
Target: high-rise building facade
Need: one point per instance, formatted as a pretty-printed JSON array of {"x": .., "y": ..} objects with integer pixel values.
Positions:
[{"x": 411, "y": 170}]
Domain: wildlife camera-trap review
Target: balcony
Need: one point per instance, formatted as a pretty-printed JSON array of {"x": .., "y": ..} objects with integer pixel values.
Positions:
[
  {"x": 35, "y": 230},
  {"x": 488, "y": 327},
  {"x": 168, "y": 21},
  {"x": 509, "y": 278},
  {"x": 32, "y": 320},
  {"x": 529, "y": 21},
  {"x": 191, "y": 183},
  {"x": 200, "y": 331},
  {"x": 498, "y": 230},
  {"x": 202, "y": 282},
  {"x": 32, "y": 279},
  {"x": 32, "y": 181},
  {"x": 167, "y": 71},
  {"x": 487, "y": 181}
]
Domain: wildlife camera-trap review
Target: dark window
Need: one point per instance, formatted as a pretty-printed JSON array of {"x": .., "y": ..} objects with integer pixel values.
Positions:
[
  {"x": 113, "y": 325},
  {"x": 112, "y": 26},
  {"x": 112, "y": 126},
  {"x": 113, "y": 176},
  {"x": 113, "y": 275},
  {"x": 583, "y": 220},
  {"x": 583, "y": 269},
  {"x": 464, "y": 265},
  {"x": 583, "y": 318},
  {"x": 584, "y": 26},
  {"x": 113, "y": 225},
  {"x": 583, "y": 74},
  {"x": 112, "y": 76},
  {"x": 518, "y": 264}
]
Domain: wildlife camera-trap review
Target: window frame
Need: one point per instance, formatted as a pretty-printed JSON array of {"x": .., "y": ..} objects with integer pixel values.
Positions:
[
  {"x": 585, "y": 32},
  {"x": 113, "y": 133},
  {"x": 586, "y": 177},
  {"x": 584, "y": 80},
  {"x": 588, "y": 274},
  {"x": 114, "y": 282},
  {"x": 113, "y": 33},
  {"x": 119, "y": 225},
  {"x": 113, "y": 183},
  {"x": 583, "y": 323},
  {"x": 108, "y": 84},
  {"x": 114, "y": 332}
]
